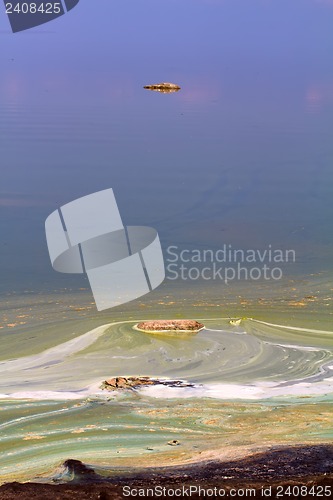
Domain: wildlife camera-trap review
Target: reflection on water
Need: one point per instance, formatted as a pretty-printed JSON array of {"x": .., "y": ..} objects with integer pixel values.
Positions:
[
  {"x": 318, "y": 97},
  {"x": 245, "y": 163}
]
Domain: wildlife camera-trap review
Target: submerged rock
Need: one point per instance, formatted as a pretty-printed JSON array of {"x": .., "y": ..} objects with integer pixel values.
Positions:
[
  {"x": 165, "y": 87},
  {"x": 119, "y": 383},
  {"x": 170, "y": 325}
]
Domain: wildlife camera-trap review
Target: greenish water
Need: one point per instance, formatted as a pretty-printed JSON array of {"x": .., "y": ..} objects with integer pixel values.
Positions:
[
  {"x": 251, "y": 353},
  {"x": 254, "y": 385},
  {"x": 267, "y": 381},
  {"x": 133, "y": 429}
]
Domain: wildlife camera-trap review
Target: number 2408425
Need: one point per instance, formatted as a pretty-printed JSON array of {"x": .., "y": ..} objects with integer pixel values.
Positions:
[{"x": 33, "y": 8}]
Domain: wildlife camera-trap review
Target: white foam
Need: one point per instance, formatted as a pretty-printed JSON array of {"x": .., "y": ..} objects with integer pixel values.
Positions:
[
  {"x": 216, "y": 391},
  {"x": 92, "y": 390},
  {"x": 42, "y": 395},
  {"x": 258, "y": 391}
]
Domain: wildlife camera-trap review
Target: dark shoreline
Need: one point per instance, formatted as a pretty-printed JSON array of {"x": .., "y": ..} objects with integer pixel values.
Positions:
[{"x": 279, "y": 467}]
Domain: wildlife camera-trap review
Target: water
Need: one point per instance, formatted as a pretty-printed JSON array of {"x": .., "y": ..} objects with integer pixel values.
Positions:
[
  {"x": 244, "y": 379},
  {"x": 241, "y": 156}
]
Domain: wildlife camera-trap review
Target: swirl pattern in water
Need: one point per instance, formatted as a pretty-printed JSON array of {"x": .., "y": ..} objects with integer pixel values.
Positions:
[
  {"x": 255, "y": 359},
  {"x": 252, "y": 383}
]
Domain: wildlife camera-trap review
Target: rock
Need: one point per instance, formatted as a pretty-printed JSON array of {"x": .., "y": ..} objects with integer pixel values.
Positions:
[
  {"x": 170, "y": 325},
  {"x": 165, "y": 87},
  {"x": 78, "y": 470},
  {"x": 120, "y": 383},
  {"x": 174, "y": 442},
  {"x": 126, "y": 382}
]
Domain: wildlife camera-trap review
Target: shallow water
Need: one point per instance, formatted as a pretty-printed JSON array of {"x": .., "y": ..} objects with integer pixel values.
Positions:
[{"x": 246, "y": 378}]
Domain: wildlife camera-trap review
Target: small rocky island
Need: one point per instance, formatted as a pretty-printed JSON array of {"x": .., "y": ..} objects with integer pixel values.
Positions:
[
  {"x": 170, "y": 326},
  {"x": 165, "y": 87}
]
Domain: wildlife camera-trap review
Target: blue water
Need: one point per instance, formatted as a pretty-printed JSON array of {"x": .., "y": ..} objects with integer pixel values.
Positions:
[{"x": 241, "y": 155}]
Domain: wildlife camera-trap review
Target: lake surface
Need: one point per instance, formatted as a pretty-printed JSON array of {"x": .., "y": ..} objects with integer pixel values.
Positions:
[{"x": 240, "y": 158}]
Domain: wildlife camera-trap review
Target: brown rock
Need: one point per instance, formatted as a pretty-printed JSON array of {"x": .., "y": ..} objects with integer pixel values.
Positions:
[
  {"x": 165, "y": 87},
  {"x": 185, "y": 325},
  {"x": 126, "y": 382},
  {"x": 120, "y": 383}
]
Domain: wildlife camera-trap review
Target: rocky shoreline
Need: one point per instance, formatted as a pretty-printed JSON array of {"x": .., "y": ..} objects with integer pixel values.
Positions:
[{"x": 307, "y": 466}]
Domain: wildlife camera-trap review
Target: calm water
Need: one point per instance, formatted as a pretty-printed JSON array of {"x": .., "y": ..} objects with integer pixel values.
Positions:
[{"x": 241, "y": 156}]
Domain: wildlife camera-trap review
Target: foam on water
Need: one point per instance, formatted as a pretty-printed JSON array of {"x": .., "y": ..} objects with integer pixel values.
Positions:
[
  {"x": 236, "y": 392},
  {"x": 216, "y": 391}
]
